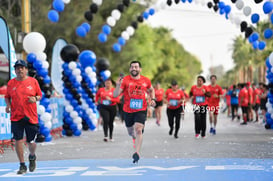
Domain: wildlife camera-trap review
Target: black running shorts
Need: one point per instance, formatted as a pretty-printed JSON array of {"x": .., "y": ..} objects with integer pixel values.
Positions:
[
  {"x": 136, "y": 117},
  {"x": 18, "y": 128}
]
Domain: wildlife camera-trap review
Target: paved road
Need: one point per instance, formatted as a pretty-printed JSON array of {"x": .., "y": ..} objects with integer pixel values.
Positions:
[{"x": 237, "y": 152}]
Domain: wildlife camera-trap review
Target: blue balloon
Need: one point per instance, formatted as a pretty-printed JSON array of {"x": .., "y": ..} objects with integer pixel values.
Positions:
[
  {"x": 87, "y": 58},
  {"x": 222, "y": 11},
  {"x": 121, "y": 41},
  {"x": 48, "y": 138},
  {"x": 255, "y": 18},
  {"x": 190, "y": 1},
  {"x": 262, "y": 45},
  {"x": 78, "y": 108},
  {"x": 65, "y": 66},
  {"x": 48, "y": 109},
  {"x": 183, "y": 1},
  {"x": 81, "y": 31},
  {"x": 255, "y": 36},
  {"x": 221, "y": 5},
  {"x": 45, "y": 131},
  {"x": 106, "y": 29},
  {"x": 271, "y": 18},
  {"x": 77, "y": 132},
  {"x": 268, "y": 33},
  {"x": 53, "y": 16},
  {"x": 227, "y": 9},
  {"x": 65, "y": 114},
  {"x": 145, "y": 15},
  {"x": 116, "y": 47},
  {"x": 74, "y": 103},
  {"x": 267, "y": 7},
  {"x": 72, "y": 78},
  {"x": 250, "y": 39},
  {"x": 255, "y": 45},
  {"x": 68, "y": 120},
  {"x": 69, "y": 96},
  {"x": 45, "y": 102},
  {"x": 65, "y": 91},
  {"x": 102, "y": 37},
  {"x": 42, "y": 72},
  {"x": 269, "y": 121},
  {"x": 47, "y": 79},
  {"x": 31, "y": 57},
  {"x": 63, "y": 132},
  {"x": 86, "y": 26},
  {"x": 58, "y": 5},
  {"x": 41, "y": 124},
  {"x": 73, "y": 126},
  {"x": 152, "y": 11},
  {"x": 37, "y": 64}
]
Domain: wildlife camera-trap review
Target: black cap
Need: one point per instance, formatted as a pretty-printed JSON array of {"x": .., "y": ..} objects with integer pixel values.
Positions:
[
  {"x": 174, "y": 82},
  {"x": 20, "y": 63}
]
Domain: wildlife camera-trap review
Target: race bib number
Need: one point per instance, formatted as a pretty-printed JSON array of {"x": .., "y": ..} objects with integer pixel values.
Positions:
[
  {"x": 136, "y": 103},
  {"x": 106, "y": 102},
  {"x": 200, "y": 99},
  {"x": 173, "y": 102}
]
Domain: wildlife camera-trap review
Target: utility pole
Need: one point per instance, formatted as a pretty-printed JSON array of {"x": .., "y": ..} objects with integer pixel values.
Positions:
[{"x": 26, "y": 19}]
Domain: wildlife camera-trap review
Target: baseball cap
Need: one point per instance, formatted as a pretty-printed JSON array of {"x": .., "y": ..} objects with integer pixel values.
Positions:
[
  {"x": 248, "y": 83},
  {"x": 174, "y": 82},
  {"x": 20, "y": 63}
]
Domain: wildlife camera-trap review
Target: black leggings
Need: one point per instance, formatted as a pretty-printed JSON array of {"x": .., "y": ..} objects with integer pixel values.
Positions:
[
  {"x": 174, "y": 113},
  {"x": 108, "y": 114},
  {"x": 200, "y": 119},
  {"x": 234, "y": 107}
]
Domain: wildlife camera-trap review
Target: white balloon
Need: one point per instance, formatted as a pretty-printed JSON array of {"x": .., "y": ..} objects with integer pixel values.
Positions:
[
  {"x": 196, "y": 1},
  {"x": 130, "y": 30},
  {"x": 66, "y": 1},
  {"x": 239, "y": 4},
  {"x": 79, "y": 78},
  {"x": 116, "y": 14},
  {"x": 34, "y": 42},
  {"x": 163, "y": 5},
  {"x": 203, "y": 2},
  {"x": 45, "y": 64},
  {"x": 48, "y": 124},
  {"x": 41, "y": 56},
  {"x": 41, "y": 109},
  {"x": 92, "y": 74},
  {"x": 76, "y": 72},
  {"x": 271, "y": 58},
  {"x": 125, "y": 35},
  {"x": 78, "y": 120},
  {"x": 107, "y": 73},
  {"x": 271, "y": 69},
  {"x": 85, "y": 106},
  {"x": 94, "y": 80},
  {"x": 79, "y": 126},
  {"x": 98, "y": 2},
  {"x": 237, "y": 21},
  {"x": 268, "y": 105},
  {"x": 72, "y": 65},
  {"x": 69, "y": 108},
  {"x": 247, "y": 11},
  {"x": 88, "y": 70},
  {"x": 74, "y": 114},
  {"x": 46, "y": 117},
  {"x": 111, "y": 21}
]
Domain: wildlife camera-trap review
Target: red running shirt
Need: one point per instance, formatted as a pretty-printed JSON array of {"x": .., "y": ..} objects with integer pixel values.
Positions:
[
  {"x": 19, "y": 93},
  {"x": 199, "y": 97},
  {"x": 173, "y": 98},
  {"x": 257, "y": 92},
  {"x": 135, "y": 93},
  {"x": 250, "y": 95},
  {"x": 103, "y": 93},
  {"x": 243, "y": 94},
  {"x": 213, "y": 101},
  {"x": 159, "y": 94}
]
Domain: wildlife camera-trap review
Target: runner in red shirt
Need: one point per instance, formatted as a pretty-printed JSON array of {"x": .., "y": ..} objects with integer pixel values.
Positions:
[
  {"x": 159, "y": 93},
  {"x": 213, "y": 103},
  {"x": 256, "y": 100},
  {"x": 174, "y": 98},
  {"x": 250, "y": 95},
  {"x": 243, "y": 102},
  {"x": 135, "y": 89},
  {"x": 22, "y": 94},
  {"x": 198, "y": 94},
  {"x": 108, "y": 109}
]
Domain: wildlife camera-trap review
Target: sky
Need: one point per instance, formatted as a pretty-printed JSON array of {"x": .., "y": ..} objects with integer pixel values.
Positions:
[{"x": 206, "y": 34}]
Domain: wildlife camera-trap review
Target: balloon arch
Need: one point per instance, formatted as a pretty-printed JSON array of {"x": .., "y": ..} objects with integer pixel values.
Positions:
[{"x": 80, "y": 78}]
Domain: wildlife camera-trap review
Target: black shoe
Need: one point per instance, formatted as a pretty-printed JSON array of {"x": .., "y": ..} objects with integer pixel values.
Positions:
[
  {"x": 244, "y": 123},
  {"x": 22, "y": 169},
  {"x": 171, "y": 131},
  {"x": 32, "y": 163},
  {"x": 135, "y": 157},
  {"x": 175, "y": 136}
]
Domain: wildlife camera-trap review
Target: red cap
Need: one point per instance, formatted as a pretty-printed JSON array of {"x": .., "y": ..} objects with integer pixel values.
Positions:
[{"x": 248, "y": 83}]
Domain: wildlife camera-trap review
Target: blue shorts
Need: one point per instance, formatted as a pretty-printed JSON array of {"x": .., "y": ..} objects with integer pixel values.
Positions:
[
  {"x": 132, "y": 118},
  {"x": 23, "y": 125}
]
